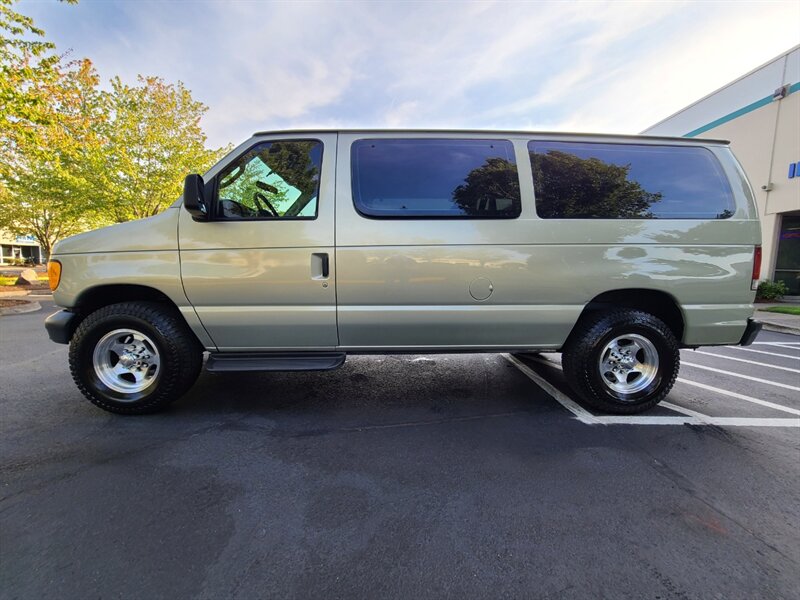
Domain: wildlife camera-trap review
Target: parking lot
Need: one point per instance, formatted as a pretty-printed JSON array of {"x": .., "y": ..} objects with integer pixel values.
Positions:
[
  {"x": 463, "y": 476},
  {"x": 755, "y": 386}
]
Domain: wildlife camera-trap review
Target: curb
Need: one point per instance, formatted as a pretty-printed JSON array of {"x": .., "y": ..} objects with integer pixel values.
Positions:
[
  {"x": 780, "y": 328},
  {"x": 14, "y": 294},
  {"x": 21, "y": 309}
]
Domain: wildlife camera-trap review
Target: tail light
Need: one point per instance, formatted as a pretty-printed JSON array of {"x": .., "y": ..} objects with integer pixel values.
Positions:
[{"x": 756, "y": 268}]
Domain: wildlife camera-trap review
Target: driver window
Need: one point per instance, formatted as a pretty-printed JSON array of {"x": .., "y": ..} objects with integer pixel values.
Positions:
[{"x": 273, "y": 180}]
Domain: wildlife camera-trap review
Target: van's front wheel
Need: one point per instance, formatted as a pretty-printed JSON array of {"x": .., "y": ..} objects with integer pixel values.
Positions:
[
  {"x": 623, "y": 362},
  {"x": 134, "y": 357}
]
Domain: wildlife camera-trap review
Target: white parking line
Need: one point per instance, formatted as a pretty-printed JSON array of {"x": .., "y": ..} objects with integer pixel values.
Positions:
[
  {"x": 789, "y": 345},
  {"x": 750, "y": 362},
  {"x": 719, "y": 421},
  {"x": 763, "y": 352},
  {"x": 738, "y": 396},
  {"x": 732, "y": 374},
  {"x": 704, "y": 386},
  {"x": 786, "y": 345},
  {"x": 691, "y": 417},
  {"x": 685, "y": 411},
  {"x": 583, "y": 415}
]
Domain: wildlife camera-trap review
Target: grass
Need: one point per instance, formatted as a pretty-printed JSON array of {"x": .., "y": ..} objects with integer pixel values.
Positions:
[
  {"x": 786, "y": 310},
  {"x": 12, "y": 280}
]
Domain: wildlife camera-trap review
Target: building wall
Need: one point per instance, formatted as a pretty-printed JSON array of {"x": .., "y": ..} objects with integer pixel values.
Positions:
[
  {"x": 765, "y": 136},
  {"x": 21, "y": 246}
]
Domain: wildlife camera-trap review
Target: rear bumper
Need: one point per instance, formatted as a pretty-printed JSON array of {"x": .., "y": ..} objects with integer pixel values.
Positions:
[
  {"x": 61, "y": 325},
  {"x": 750, "y": 332}
]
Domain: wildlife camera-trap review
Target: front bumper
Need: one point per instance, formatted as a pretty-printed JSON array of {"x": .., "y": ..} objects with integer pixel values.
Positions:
[
  {"x": 750, "y": 332},
  {"x": 61, "y": 325}
]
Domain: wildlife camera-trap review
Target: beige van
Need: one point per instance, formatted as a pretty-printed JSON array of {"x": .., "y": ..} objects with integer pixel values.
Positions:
[{"x": 301, "y": 247}]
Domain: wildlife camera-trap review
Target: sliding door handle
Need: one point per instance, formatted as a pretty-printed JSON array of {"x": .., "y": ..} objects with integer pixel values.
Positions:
[
  {"x": 325, "y": 265},
  {"x": 320, "y": 265}
]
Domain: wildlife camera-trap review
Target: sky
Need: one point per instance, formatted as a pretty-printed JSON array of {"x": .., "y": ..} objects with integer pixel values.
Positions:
[{"x": 615, "y": 67}]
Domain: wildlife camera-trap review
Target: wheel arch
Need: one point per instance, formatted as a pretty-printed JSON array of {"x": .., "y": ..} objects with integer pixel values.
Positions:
[
  {"x": 96, "y": 297},
  {"x": 658, "y": 303}
]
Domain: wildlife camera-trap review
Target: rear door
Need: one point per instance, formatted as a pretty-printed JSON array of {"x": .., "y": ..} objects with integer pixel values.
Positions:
[{"x": 261, "y": 272}]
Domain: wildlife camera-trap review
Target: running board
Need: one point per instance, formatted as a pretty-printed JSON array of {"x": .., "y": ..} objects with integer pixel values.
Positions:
[{"x": 219, "y": 362}]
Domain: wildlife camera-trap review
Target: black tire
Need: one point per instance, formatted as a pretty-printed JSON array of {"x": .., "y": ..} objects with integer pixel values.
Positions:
[
  {"x": 584, "y": 353},
  {"x": 178, "y": 350}
]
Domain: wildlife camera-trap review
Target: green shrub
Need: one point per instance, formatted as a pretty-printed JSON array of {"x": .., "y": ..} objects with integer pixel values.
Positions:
[{"x": 771, "y": 290}]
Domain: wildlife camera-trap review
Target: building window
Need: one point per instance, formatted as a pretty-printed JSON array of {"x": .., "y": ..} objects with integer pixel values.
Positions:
[{"x": 787, "y": 264}]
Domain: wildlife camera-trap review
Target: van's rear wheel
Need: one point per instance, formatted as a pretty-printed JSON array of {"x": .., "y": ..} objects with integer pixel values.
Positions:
[
  {"x": 134, "y": 357},
  {"x": 622, "y": 362}
]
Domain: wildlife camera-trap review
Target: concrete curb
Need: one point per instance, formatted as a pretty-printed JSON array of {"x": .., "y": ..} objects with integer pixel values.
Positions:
[
  {"x": 14, "y": 294},
  {"x": 29, "y": 307},
  {"x": 779, "y": 327}
]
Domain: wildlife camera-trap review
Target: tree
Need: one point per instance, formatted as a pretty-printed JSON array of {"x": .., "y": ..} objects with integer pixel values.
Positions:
[
  {"x": 154, "y": 140},
  {"x": 50, "y": 176},
  {"x": 26, "y": 64},
  {"x": 569, "y": 187},
  {"x": 47, "y": 108},
  {"x": 495, "y": 180},
  {"x": 73, "y": 157}
]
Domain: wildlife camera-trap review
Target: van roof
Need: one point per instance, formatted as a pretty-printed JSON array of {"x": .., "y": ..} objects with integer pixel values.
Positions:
[{"x": 621, "y": 136}]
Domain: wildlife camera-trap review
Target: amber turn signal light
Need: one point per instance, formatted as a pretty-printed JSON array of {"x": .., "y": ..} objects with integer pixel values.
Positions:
[{"x": 54, "y": 274}]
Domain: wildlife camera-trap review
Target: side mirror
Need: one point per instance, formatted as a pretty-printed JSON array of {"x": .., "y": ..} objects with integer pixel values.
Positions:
[{"x": 194, "y": 199}]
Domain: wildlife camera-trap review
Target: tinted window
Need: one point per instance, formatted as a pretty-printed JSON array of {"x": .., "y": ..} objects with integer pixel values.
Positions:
[
  {"x": 435, "y": 178},
  {"x": 576, "y": 180},
  {"x": 273, "y": 180}
]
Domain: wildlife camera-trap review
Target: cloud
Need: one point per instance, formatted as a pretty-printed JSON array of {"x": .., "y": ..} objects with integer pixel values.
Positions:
[
  {"x": 662, "y": 79},
  {"x": 616, "y": 66}
]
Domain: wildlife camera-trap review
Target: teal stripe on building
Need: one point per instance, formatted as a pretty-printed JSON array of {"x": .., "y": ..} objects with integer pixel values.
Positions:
[{"x": 738, "y": 113}]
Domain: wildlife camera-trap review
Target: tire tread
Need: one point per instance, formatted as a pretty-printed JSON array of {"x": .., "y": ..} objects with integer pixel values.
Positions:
[
  {"x": 182, "y": 347},
  {"x": 578, "y": 352}
]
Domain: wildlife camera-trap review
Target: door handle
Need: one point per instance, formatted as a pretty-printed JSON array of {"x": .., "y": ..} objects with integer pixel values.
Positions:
[
  {"x": 325, "y": 265},
  {"x": 320, "y": 265}
]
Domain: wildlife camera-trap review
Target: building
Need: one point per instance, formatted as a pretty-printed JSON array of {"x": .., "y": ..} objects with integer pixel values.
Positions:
[
  {"x": 16, "y": 248},
  {"x": 760, "y": 114}
]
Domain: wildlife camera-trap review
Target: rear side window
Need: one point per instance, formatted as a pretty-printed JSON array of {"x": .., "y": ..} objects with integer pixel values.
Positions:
[
  {"x": 579, "y": 180},
  {"x": 435, "y": 178}
]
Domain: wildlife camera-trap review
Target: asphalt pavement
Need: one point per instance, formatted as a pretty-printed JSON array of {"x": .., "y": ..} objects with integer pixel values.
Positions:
[{"x": 441, "y": 476}]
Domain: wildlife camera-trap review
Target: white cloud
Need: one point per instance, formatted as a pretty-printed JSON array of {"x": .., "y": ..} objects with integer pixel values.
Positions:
[
  {"x": 669, "y": 76},
  {"x": 616, "y": 66}
]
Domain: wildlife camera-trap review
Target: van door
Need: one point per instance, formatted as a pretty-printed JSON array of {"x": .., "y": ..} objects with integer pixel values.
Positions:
[
  {"x": 435, "y": 247},
  {"x": 261, "y": 271}
]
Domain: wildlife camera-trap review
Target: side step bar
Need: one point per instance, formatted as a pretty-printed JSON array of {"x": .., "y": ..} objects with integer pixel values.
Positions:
[{"x": 221, "y": 362}]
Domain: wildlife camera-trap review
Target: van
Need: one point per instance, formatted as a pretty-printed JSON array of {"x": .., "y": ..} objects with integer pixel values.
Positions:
[{"x": 301, "y": 247}]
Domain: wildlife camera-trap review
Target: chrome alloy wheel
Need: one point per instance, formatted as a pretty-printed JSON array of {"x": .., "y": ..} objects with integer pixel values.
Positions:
[
  {"x": 628, "y": 364},
  {"x": 126, "y": 361}
]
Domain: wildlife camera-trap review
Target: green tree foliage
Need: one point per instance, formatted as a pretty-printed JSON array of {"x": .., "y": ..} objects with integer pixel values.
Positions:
[
  {"x": 73, "y": 157},
  {"x": 570, "y": 187},
  {"x": 492, "y": 188},
  {"x": 49, "y": 177},
  {"x": 26, "y": 68},
  {"x": 154, "y": 140}
]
